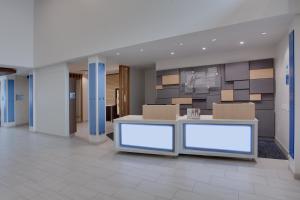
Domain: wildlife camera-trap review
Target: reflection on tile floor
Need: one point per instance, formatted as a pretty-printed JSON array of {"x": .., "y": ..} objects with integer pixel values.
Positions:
[
  {"x": 83, "y": 130},
  {"x": 35, "y": 166}
]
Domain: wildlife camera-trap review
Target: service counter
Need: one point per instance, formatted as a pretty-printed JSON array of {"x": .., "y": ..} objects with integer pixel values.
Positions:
[{"x": 204, "y": 136}]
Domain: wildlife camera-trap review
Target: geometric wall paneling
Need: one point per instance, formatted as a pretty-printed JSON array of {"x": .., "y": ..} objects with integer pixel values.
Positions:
[
  {"x": 225, "y": 85},
  {"x": 203, "y": 90},
  {"x": 206, "y": 112},
  {"x": 163, "y": 101},
  {"x": 241, "y": 85},
  {"x": 261, "y": 64},
  {"x": 267, "y": 96},
  {"x": 199, "y": 103},
  {"x": 262, "y": 86},
  {"x": 241, "y": 95},
  {"x": 182, "y": 101},
  {"x": 262, "y": 73},
  {"x": 158, "y": 87},
  {"x": 266, "y": 124},
  {"x": 264, "y": 105},
  {"x": 212, "y": 99},
  {"x": 199, "y": 96},
  {"x": 226, "y": 95},
  {"x": 255, "y": 97},
  {"x": 158, "y": 79},
  {"x": 167, "y": 93},
  {"x": 170, "y": 79},
  {"x": 237, "y": 71}
]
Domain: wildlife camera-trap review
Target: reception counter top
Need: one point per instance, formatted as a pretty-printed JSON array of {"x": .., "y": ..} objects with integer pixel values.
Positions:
[{"x": 204, "y": 136}]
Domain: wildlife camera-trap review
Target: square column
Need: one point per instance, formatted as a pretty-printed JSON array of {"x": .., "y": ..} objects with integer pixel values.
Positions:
[
  {"x": 8, "y": 102},
  {"x": 96, "y": 103}
]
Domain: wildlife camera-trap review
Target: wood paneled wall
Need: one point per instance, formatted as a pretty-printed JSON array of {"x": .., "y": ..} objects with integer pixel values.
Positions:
[{"x": 112, "y": 83}]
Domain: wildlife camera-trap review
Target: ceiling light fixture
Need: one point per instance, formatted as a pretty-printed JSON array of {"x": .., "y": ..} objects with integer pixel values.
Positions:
[
  {"x": 172, "y": 52},
  {"x": 242, "y": 42},
  {"x": 117, "y": 53},
  {"x": 213, "y": 40},
  {"x": 203, "y": 48},
  {"x": 263, "y": 33},
  {"x": 180, "y": 44},
  {"x": 142, "y": 50}
]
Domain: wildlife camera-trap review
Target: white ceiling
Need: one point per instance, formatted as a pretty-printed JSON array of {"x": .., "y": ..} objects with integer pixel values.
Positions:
[{"x": 227, "y": 39}]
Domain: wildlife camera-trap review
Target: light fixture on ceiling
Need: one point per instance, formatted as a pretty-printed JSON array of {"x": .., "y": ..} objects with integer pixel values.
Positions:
[
  {"x": 213, "y": 40},
  {"x": 172, "y": 53},
  {"x": 118, "y": 53},
  {"x": 203, "y": 48},
  {"x": 263, "y": 33},
  {"x": 242, "y": 42},
  {"x": 180, "y": 44},
  {"x": 141, "y": 50}
]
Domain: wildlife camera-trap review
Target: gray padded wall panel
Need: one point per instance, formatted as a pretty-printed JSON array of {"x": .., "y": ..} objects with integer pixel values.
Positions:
[
  {"x": 264, "y": 105},
  {"x": 237, "y": 71},
  {"x": 260, "y": 64},
  {"x": 266, "y": 124},
  {"x": 199, "y": 104},
  {"x": 241, "y": 95},
  {"x": 262, "y": 85},
  {"x": 163, "y": 101},
  {"x": 241, "y": 85},
  {"x": 213, "y": 99},
  {"x": 267, "y": 96},
  {"x": 167, "y": 93}
]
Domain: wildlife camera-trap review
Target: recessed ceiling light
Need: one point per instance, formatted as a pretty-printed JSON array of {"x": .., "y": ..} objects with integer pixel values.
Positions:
[
  {"x": 203, "y": 48},
  {"x": 117, "y": 53},
  {"x": 263, "y": 33},
  {"x": 180, "y": 44},
  {"x": 213, "y": 40},
  {"x": 172, "y": 52},
  {"x": 242, "y": 42},
  {"x": 142, "y": 50}
]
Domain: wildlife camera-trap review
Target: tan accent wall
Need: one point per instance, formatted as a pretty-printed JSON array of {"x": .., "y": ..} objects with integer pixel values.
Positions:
[
  {"x": 170, "y": 79},
  {"x": 255, "y": 97},
  {"x": 112, "y": 82},
  {"x": 234, "y": 111},
  {"x": 182, "y": 100},
  {"x": 261, "y": 73},
  {"x": 159, "y": 87},
  {"x": 227, "y": 95}
]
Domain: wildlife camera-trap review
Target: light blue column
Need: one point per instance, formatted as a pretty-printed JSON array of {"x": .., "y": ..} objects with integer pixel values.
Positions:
[
  {"x": 30, "y": 100},
  {"x": 97, "y": 107}
]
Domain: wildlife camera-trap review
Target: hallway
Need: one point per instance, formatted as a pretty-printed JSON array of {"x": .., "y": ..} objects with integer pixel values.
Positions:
[{"x": 38, "y": 166}]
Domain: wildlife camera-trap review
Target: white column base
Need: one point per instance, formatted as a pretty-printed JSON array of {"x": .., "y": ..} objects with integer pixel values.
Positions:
[
  {"x": 9, "y": 124},
  {"x": 97, "y": 139}
]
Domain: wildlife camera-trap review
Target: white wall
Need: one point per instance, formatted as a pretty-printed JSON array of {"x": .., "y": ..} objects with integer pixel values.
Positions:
[
  {"x": 16, "y": 32},
  {"x": 150, "y": 83},
  {"x": 217, "y": 58},
  {"x": 92, "y": 27},
  {"x": 52, "y": 100},
  {"x": 21, "y": 106},
  {"x": 85, "y": 98},
  {"x": 136, "y": 90},
  {"x": 282, "y": 94}
]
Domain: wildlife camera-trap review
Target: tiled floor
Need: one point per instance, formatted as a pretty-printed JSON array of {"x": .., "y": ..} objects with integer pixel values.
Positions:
[
  {"x": 41, "y": 167},
  {"x": 83, "y": 130}
]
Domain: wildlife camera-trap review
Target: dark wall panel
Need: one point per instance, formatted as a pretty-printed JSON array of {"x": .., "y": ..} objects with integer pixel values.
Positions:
[
  {"x": 262, "y": 85},
  {"x": 241, "y": 85},
  {"x": 164, "y": 101},
  {"x": 264, "y": 105},
  {"x": 260, "y": 64},
  {"x": 213, "y": 99},
  {"x": 266, "y": 124},
  {"x": 241, "y": 95},
  {"x": 168, "y": 93},
  {"x": 237, "y": 71}
]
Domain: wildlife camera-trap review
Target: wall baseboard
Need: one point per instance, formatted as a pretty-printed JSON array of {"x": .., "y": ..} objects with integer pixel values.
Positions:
[{"x": 282, "y": 148}]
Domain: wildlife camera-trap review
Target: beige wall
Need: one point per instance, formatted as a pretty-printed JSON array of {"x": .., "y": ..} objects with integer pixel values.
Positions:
[{"x": 112, "y": 82}]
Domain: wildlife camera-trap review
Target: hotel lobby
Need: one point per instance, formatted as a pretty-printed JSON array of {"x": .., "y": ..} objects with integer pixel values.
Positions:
[{"x": 154, "y": 100}]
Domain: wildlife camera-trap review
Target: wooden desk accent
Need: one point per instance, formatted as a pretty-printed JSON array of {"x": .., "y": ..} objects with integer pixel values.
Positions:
[
  {"x": 239, "y": 111},
  {"x": 161, "y": 112}
]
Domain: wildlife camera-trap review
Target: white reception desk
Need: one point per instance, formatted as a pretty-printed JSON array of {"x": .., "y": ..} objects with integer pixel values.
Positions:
[{"x": 204, "y": 136}]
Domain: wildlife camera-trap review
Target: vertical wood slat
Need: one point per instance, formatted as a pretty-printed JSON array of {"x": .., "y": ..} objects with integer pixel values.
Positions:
[{"x": 124, "y": 90}]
